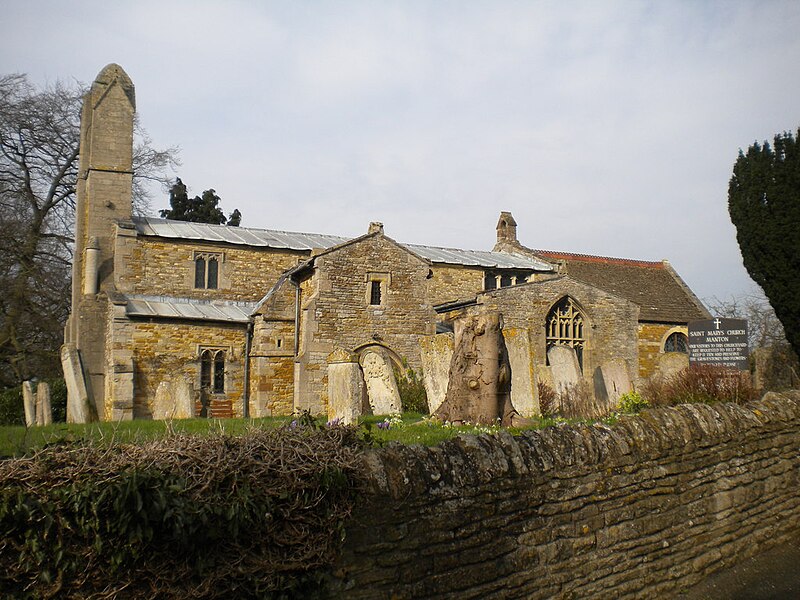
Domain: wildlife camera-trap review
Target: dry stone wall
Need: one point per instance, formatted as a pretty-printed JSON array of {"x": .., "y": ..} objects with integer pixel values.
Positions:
[{"x": 643, "y": 509}]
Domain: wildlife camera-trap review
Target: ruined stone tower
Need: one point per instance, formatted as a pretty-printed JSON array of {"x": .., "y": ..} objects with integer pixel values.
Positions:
[{"x": 103, "y": 203}]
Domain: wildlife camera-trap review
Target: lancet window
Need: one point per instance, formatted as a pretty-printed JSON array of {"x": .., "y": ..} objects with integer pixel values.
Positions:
[
  {"x": 206, "y": 270},
  {"x": 212, "y": 371}
]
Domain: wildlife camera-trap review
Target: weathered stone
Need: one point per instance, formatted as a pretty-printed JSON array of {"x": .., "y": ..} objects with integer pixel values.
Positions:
[
  {"x": 611, "y": 381},
  {"x": 670, "y": 364},
  {"x": 29, "y": 403},
  {"x": 382, "y": 391},
  {"x": 524, "y": 392},
  {"x": 345, "y": 385},
  {"x": 183, "y": 394},
  {"x": 44, "y": 410},
  {"x": 436, "y": 353},
  {"x": 163, "y": 403},
  {"x": 479, "y": 380},
  {"x": 78, "y": 406},
  {"x": 564, "y": 368}
]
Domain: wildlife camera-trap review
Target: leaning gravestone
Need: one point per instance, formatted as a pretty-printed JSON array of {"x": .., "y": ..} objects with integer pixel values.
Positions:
[
  {"x": 382, "y": 391},
  {"x": 344, "y": 387},
  {"x": 616, "y": 380},
  {"x": 564, "y": 368}
]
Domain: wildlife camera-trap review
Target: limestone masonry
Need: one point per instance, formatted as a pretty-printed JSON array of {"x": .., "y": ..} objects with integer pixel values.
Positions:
[{"x": 176, "y": 319}]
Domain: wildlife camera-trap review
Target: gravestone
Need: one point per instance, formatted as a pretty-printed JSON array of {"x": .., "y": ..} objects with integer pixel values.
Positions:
[
  {"x": 78, "y": 408},
  {"x": 670, "y": 364},
  {"x": 564, "y": 368},
  {"x": 382, "y": 391},
  {"x": 614, "y": 381},
  {"x": 44, "y": 410},
  {"x": 524, "y": 392},
  {"x": 29, "y": 403},
  {"x": 183, "y": 395},
  {"x": 345, "y": 386},
  {"x": 163, "y": 404},
  {"x": 436, "y": 352}
]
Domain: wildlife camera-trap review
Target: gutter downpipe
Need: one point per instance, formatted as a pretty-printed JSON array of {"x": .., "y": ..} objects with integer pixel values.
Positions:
[
  {"x": 247, "y": 345},
  {"x": 296, "y": 316}
]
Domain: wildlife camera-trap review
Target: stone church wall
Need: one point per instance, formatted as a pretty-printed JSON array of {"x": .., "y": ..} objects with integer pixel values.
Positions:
[
  {"x": 643, "y": 509},
  {"x": 454, "y": 283},
  {"x": 610, "y": 331},
  {"x": 156, "y": 266},
  {"x": 166, "y": 350},
  {"x": 651, "y": 346},
  {"x": 338, "y": 314}
]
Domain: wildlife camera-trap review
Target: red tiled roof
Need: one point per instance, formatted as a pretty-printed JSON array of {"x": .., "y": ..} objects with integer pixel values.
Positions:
[{"x": 654, "y": 286}]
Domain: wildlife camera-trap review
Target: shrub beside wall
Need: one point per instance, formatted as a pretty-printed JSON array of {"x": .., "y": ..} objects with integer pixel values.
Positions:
[{"x": 642, "y": 509}]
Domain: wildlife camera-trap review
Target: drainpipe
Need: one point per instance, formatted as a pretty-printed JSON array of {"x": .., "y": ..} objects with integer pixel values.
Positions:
[
  {"x": 247, "y": 345},
  {"x": 296, "y": 316},
  {"x": 91, "y": 258}
]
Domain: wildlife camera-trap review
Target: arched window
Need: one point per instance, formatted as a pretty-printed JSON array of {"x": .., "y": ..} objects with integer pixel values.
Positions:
[
  {"x": 677, "y": 342},
  {"x": 212, "y": 371},
  {"x": 564, "y": 327}
]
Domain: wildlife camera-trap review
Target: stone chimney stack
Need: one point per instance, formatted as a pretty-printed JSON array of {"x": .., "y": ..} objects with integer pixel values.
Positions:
[
  {"x": 507, "y": 228},
  {"x": 375, "y": 227}
]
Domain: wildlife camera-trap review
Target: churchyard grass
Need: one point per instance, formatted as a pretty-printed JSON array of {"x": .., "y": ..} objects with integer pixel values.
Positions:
[{"x": 409, "y": 428}]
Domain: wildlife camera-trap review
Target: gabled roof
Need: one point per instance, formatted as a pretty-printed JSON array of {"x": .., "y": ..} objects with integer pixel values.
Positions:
[
  {"x": 290, "y": 240},
  {"x": 655, "y": 287}
]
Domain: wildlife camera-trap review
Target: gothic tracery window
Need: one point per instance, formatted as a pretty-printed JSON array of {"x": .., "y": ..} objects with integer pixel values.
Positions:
[{"x": 565, "y": 327}]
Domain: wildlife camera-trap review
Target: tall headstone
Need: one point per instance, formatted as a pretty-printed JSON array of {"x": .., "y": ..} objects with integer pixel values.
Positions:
[
  {"x": 436, "y": 352},
  {"x": 163, "y": 403},
  {"x": 29, "y": 403},
  {"x": 183, "y": 396},
  {"x": 382, "y": 390},
  {"x": 345, "y": 386},
  {"x": 44, "y": 410},
  {"x": 524, "y": 392}
]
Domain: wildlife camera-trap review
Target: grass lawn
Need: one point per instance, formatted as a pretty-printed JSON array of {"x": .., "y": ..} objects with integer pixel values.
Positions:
[{"x": 411, "y": 428}]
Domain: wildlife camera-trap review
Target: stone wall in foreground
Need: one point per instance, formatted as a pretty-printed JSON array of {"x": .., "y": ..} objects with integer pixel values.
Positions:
[{"x": 643, "y": 509}]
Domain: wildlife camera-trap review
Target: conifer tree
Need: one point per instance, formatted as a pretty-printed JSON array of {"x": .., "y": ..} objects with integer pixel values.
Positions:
[
  {"x": 764, "y": 205},
  {"x": 200, "y": 209}
]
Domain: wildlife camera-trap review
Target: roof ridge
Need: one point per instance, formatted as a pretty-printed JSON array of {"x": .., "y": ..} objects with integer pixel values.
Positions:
[
  {"x": 656, "y": 264},
  {"x": 197, "y": 223}
]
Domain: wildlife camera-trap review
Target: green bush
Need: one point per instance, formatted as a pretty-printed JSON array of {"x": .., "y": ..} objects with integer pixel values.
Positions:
[
  {"x": 12, "y": 411},
  {"x": 412, "y": 391},
  {"x": 175, "y": 517},
  {"x": 632, "y": 402}
]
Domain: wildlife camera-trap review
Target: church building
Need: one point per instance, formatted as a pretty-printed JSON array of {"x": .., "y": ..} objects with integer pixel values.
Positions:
[{"x": 178, "y": 319}]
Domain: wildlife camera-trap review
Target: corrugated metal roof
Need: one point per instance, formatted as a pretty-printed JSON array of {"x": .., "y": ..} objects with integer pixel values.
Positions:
[
  {"x": 478, "y": 258},
  {"x": 187, "y": 308},
  {"x": 269, "y": 238},
  {"x": 234, "y": 235}
]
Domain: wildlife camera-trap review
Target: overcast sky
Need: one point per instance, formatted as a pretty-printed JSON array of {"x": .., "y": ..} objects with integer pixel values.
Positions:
[{"x": 605, "y": 127}]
